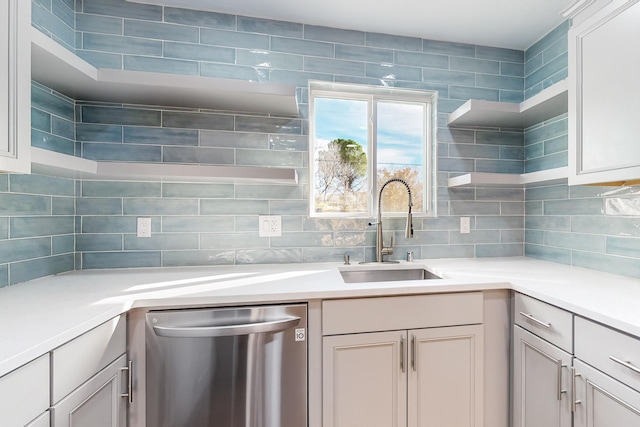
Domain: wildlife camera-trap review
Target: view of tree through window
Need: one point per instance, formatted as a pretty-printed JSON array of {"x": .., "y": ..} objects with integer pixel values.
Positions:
[
  {"x": 400, "y": 147},
  {"x": 359, "y": 142},
  {"x": 341, "y": 155}
]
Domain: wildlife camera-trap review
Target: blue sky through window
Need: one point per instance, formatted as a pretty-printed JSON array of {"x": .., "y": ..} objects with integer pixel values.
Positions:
[{"x": 400, "y": 128}]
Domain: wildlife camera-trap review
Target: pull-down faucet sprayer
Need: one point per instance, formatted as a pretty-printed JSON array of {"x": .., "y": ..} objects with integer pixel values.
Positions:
[{"x": 380, "y": 249}]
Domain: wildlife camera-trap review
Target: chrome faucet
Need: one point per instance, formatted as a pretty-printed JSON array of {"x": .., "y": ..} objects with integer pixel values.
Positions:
[{"x": 380, "y": 249}]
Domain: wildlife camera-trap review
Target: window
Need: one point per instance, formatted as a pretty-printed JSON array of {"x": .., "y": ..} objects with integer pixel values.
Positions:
[{"x": 360, "y": 137}]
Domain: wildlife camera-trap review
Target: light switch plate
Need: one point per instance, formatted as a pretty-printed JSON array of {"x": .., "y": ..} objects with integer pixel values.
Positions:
[{"x": 269, "y": 226}]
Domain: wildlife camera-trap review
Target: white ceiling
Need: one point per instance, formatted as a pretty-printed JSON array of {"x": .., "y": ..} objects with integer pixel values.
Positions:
[{"x": 515, "y": 24}]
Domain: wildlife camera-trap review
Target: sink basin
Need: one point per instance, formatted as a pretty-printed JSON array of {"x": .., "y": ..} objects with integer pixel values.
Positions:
[{"x": 390, "y": 275}]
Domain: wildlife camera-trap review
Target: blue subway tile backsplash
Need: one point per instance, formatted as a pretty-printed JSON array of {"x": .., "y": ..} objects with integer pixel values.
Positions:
[
  {"x": 95, "y": 221},
  {"x": 121, "y": 44},
  {"x": 198, "y": 18},
  {"x": 268, "y": 26},
  {"x": 312, "y": 32},
  {"x": 99, "y": 24},
  {"x": 160, "y": 31},
  {"x": 123, "y": 9},
  {"x": 160, "y": 65},
  {"x": 210, "y": 36}
]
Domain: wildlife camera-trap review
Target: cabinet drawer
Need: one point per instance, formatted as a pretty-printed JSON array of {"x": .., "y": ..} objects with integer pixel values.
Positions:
[
  {"x": 544, "y": 320},
  {"x": 80, "y": 359},
  {"x": 610, "y": 351},
  {"x": 24, "y": 393},
  {"x": 405, "y": 312}
]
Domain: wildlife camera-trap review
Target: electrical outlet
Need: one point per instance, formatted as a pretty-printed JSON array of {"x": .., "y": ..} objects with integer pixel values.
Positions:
[
  {"x": 144, "y": 227},
  {"x": 465, "y": 225},
  {"x": 269, "y": 225}
]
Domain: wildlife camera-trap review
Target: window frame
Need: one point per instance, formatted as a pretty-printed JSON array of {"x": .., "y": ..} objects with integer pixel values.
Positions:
[{"x": 373, "y": 95}]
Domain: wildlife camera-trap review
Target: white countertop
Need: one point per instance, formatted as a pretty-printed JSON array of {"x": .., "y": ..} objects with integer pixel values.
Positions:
[{"x": 40, "y": 315}]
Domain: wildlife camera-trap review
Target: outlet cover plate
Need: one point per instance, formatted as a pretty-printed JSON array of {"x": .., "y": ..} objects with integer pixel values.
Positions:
[
  {"x": 269, "y": 226},
  {"x": 465, "y": 225},
  {"x": 144, "y": 227}
]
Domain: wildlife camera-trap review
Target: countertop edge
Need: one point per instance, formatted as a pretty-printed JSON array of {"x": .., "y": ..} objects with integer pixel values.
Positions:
[{"x": 459, "y": 275}]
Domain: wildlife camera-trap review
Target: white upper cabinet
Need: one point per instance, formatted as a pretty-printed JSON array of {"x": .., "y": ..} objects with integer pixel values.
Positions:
[
  {"x": 15, "y": 86},
  {"x": 604, "y": 130}
]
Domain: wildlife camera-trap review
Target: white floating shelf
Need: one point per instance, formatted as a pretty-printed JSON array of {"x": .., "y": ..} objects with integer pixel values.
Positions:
[
  {"x": 193, "y": 173},
  {"x": 47, "y": 162},
  {"x": 63, "y": 71},
  {"x": 508, "y": 180},
  {"x": 545, "y": 105},
  {"x": 482, "y": 178}
]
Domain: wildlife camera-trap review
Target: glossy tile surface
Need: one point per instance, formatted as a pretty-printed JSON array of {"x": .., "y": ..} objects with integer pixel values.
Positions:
[{"x": 192, "y": 221}]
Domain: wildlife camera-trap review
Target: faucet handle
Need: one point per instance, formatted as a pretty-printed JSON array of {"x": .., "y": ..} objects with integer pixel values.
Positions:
[{"x": 389, "y": 249}]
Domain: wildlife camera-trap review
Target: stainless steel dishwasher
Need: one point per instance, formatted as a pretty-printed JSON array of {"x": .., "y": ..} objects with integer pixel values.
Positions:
[{"x": 227, "y": 367}]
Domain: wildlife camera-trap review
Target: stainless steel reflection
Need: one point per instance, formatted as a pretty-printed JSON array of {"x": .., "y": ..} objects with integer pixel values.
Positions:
[
  {"x": 231, "y": 367},
  {"x": 392, "y": 275}
]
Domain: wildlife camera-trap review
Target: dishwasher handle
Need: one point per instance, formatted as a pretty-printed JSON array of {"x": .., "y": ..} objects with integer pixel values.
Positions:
[{"x": 226, "y": 330}]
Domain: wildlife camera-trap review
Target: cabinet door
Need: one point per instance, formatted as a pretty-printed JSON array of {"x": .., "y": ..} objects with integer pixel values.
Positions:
[
  {"x": 541, "y": 382},
  {"x": 42, "y": 421},
  {"x": 603, "y": 401},
  {"x": 96, "y": 403},
  {"x": 604, "y": 55},
  {"x": 446, "y": 377},
  {"x": 364, "y": 380},
  {"x": 15, "y": 86}
]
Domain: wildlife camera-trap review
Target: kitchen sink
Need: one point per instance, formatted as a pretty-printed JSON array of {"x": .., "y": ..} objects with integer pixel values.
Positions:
[{"x": 386, "y": 275}]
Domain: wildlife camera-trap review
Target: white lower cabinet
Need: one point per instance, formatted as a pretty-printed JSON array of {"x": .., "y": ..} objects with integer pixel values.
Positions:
[
  {"x": 96, "y": 403},
  {"x": 596, "y": 386},
  {"x": 446, "y": 377},
  {"x": 43, "y": 420},
  {"x": 601, "y": 401},
  {"x": 24, "y": 395},
  {"x": 90, "y": 378},
  {"x": 542, "y": 350},
  {"x": 541, "y": 382},
  {"x": 418, "y": 377},
  {"x": 365, "y": 381},
  {"x": 607, "y": 376}
]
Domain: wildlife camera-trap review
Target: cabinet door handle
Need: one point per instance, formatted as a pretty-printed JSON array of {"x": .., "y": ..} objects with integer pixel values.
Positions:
[
  {"x": 413, "y": 352},
  {"x": 402, "y": 354},
  {"x": 559, "y": 366},
  {"x": 560, "y": 390},
  {"x": 574, "y": 402},
  {"x": 627, "y": 365},
  {"x": 129, "y": 393},
  {"x": 536, "y": 321}
]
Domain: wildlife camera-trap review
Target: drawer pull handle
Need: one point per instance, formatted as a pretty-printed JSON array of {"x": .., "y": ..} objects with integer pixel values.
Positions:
[
  {"x": 536, "y": 321},
  {"x": 627, "y": 365}
]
